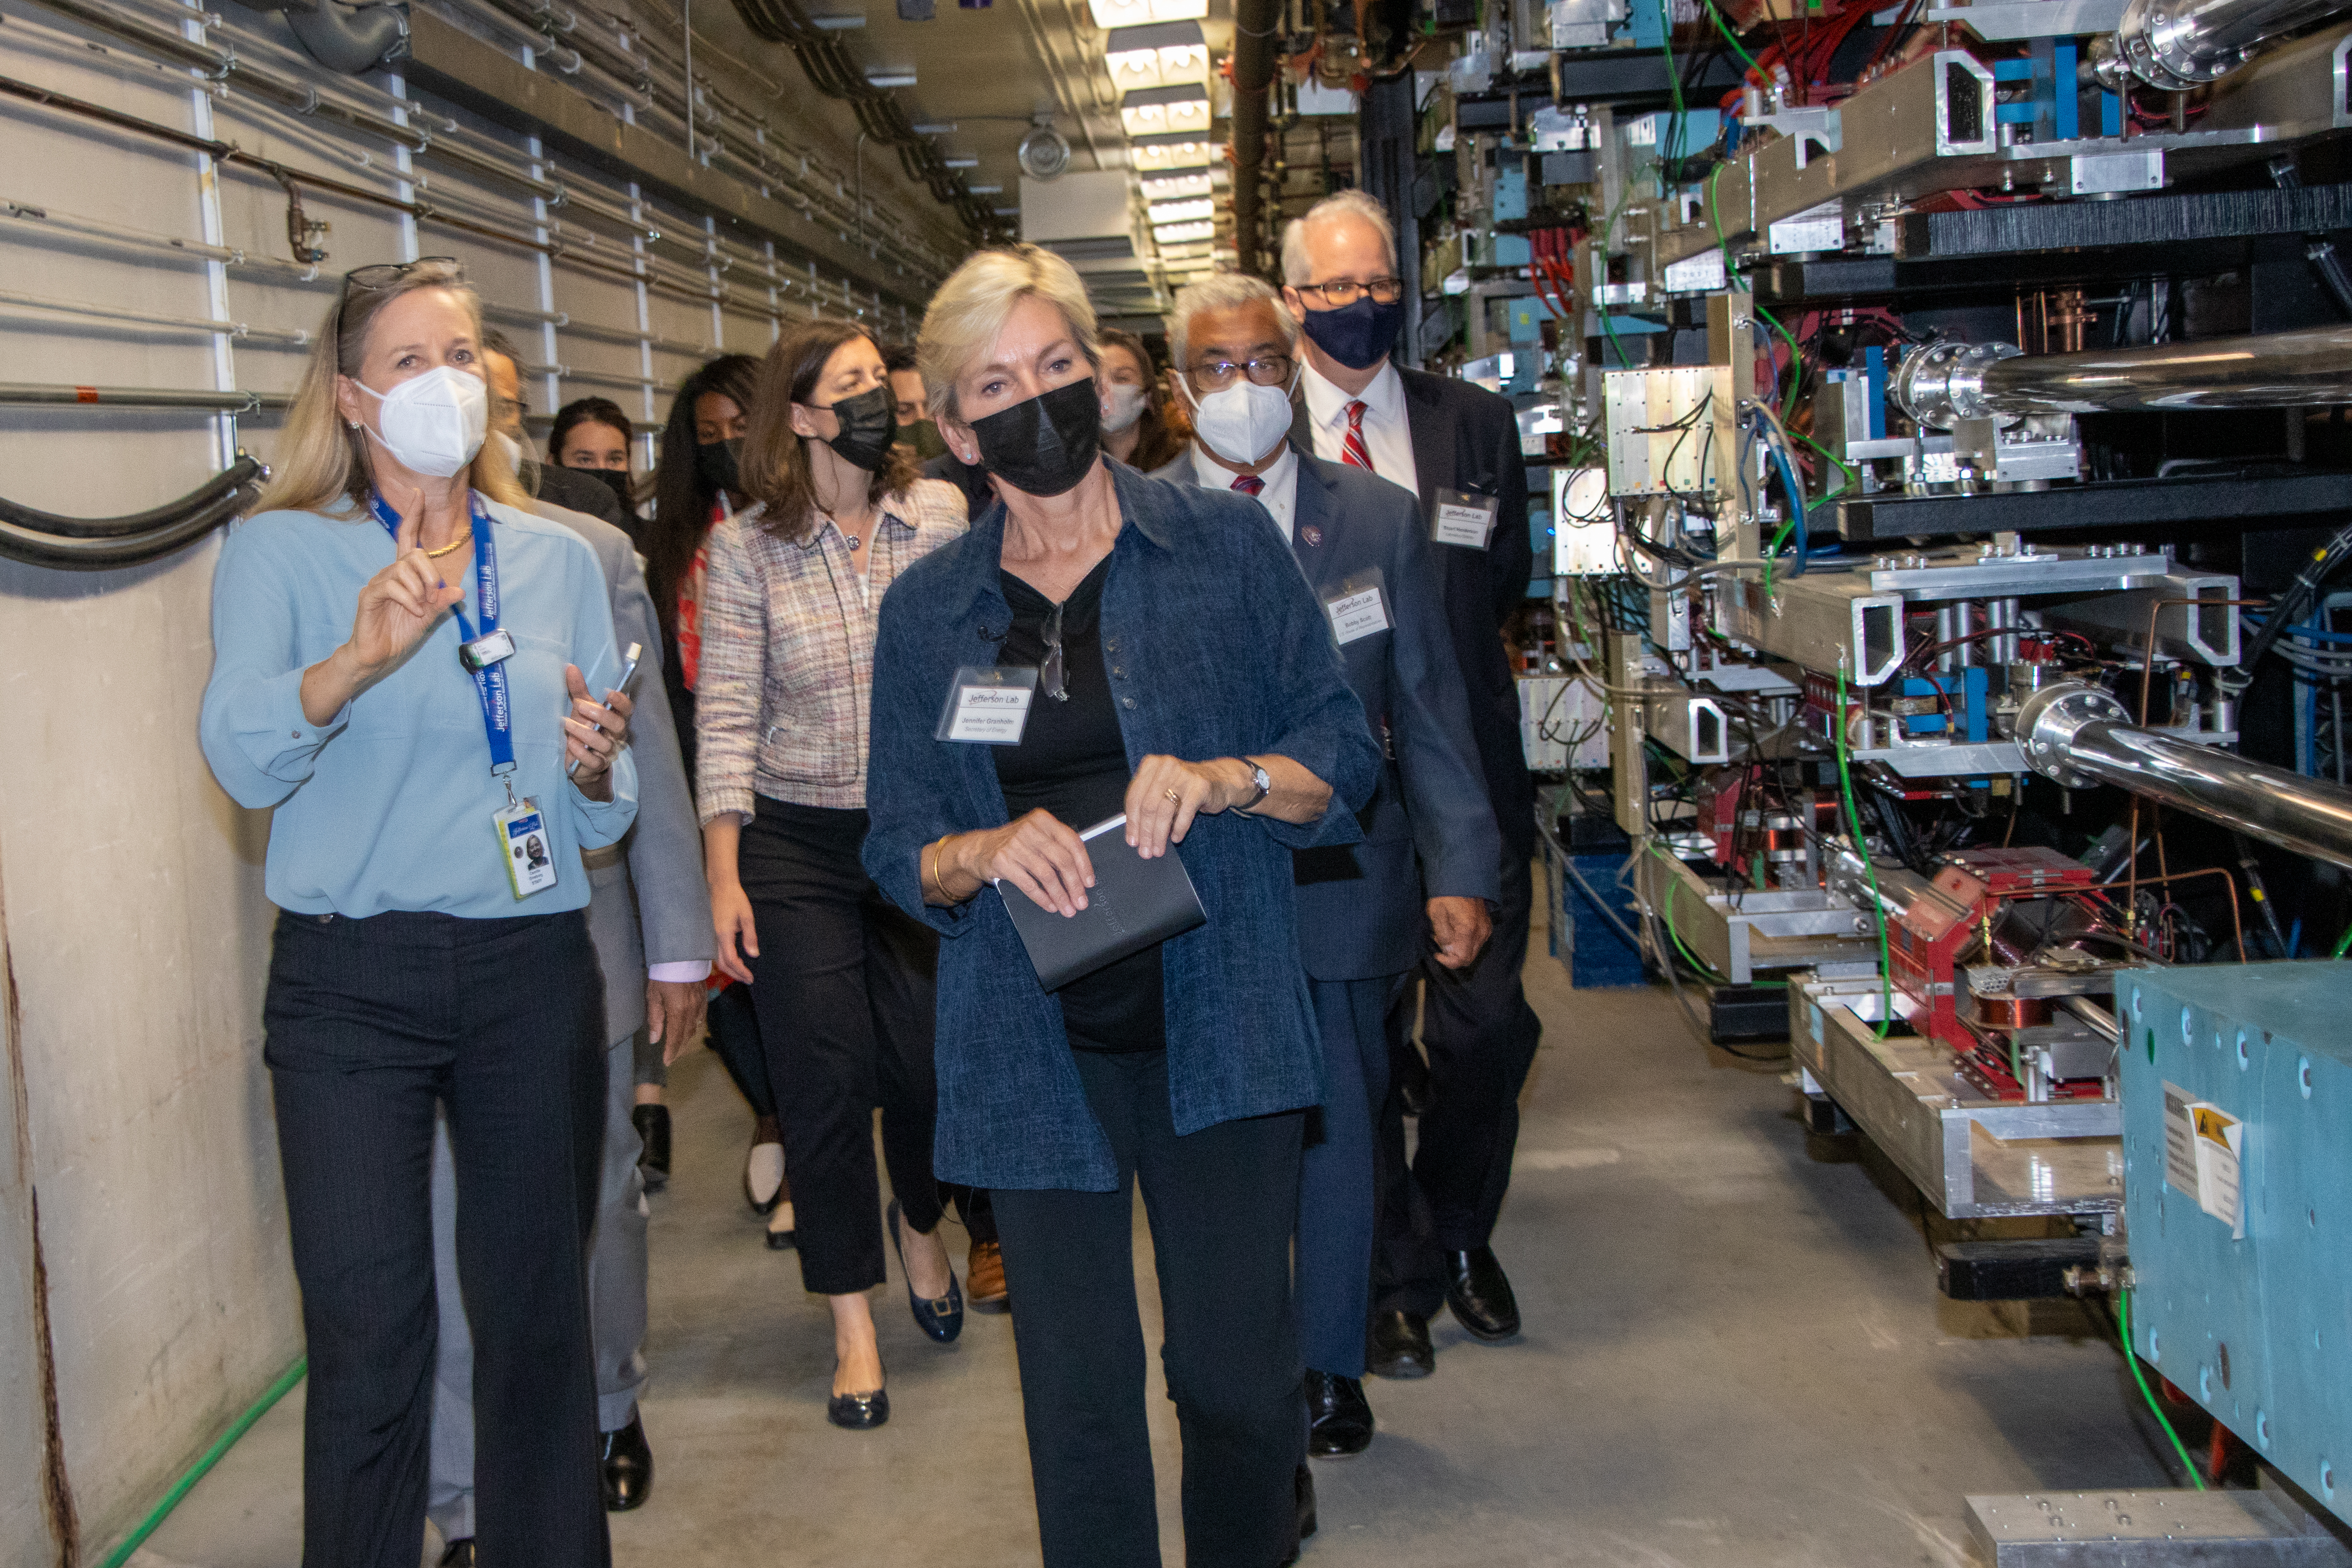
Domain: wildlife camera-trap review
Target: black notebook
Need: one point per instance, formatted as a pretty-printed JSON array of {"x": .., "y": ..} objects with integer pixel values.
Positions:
[{"x": 1134, "y": 904}]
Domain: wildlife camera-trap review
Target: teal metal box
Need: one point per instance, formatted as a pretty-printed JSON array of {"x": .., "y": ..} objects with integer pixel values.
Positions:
[{"x": 2258, "y": 1329}]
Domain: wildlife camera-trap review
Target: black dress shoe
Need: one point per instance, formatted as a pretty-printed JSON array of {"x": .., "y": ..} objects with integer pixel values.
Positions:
[
  {"x": 1398, "y": 1346},
  {"x": 461, "y": 1554},
  {"x": 1338, "y": 1417},
  {"x": 1303, "y": 1490},
  {"x": 628, "y": 1468},
  {"x": 652, "y": 1122},
  {"x": 1480, "y": 1294},
  {"x": 859, "y": 1412}
]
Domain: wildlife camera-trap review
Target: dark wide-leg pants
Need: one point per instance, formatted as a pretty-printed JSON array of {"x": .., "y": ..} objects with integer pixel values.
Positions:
[
  {"x": 1336, "y": 1189},
  {"x": 1220, "y": 1203},
  {"x": 844, "y": 992},
  {"x": 370, "y": 1024}
]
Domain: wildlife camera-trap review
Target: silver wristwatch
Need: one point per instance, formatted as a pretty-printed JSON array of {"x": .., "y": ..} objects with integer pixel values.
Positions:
[{"x": 1265, "y": 787}]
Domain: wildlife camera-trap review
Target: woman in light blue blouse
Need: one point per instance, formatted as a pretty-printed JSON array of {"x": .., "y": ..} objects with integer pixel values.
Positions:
[{"x": 402, "y": 663}]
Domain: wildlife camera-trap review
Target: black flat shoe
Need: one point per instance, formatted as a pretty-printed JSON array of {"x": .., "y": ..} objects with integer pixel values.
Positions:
[
  {"x": 652, "y": 1122},
  {"x": 942, "y": 1319},
  {"x": 1338, "y": 1417},
  {"x": 1398, "y": 1346},
  {"x": 628, "y": 1467},
  {"x": 1480, "y": 1294},
  {"x": 859, "y": 1412},
  {"x": 461, "y": 1554},
  {"x": 783, "y": 1240}
]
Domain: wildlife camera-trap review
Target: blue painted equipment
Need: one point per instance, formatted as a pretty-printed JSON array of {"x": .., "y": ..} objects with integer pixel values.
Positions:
[{"x": 2258, "y": 1328}]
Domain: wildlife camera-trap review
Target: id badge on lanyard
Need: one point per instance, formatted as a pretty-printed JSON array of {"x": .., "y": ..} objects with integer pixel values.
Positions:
[{"x": 524, "y": 843}]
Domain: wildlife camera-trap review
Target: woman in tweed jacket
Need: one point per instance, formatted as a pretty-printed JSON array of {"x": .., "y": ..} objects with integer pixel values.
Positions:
[{"x": 844, "y": 980}]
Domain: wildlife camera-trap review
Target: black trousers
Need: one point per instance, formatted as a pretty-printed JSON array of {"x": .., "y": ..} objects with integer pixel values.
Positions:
[
  {"x": 370, "y": 1023},
  {"x": 1220, "y": 1203},
  {"x": 1481, "y": 1037},
  {"x": 844, "y": 989}
]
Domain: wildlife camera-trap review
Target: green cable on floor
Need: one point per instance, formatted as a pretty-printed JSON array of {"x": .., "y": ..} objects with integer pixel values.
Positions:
[
  {"x": 197, "y": 1471},
  {"x": 2131, "y": 1357}
]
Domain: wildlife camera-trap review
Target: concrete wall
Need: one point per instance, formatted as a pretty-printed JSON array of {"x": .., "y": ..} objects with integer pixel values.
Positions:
[{"x": 153, "y": 1299}]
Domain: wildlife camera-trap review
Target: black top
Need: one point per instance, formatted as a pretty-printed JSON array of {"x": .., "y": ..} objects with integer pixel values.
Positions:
[{"x": 1072, "y": 762}]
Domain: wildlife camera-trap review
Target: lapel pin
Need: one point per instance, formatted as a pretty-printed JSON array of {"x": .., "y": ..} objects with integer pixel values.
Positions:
[{"x": 1312, "y": 534}]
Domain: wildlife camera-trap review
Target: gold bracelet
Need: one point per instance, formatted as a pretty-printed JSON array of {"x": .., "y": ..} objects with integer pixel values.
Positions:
[{"x": 938, "y": 885}]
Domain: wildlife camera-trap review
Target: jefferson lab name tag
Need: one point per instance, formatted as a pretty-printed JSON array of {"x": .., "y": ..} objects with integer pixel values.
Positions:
[
  {"x": 1464, "y": 519},
  {"x": 988, "y": 707},
  {"x": 530, "y": 854},
  {"x": 1359, "y": 609}
]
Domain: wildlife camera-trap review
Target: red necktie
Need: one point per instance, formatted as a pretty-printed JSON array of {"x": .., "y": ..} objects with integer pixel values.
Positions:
[
  {"x": 1352, "y": 450},
  {"x": 1248, "y": 484}
]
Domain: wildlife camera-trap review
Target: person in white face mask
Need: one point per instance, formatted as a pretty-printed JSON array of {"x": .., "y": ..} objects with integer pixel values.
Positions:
[
  {"x": 402, "y": 658},
  {"x": 1364, "y": 919}
]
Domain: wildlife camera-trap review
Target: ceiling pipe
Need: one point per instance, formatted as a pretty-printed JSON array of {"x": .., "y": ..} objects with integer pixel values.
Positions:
[{"x": 1255, "y": 22}]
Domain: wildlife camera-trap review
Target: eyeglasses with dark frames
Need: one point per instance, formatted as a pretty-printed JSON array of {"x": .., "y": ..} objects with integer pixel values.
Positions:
[
  {"x": 1267, "y": 370},
  {"x": 1342, "y": 292},
  {"x": 1049, "y": 668}
]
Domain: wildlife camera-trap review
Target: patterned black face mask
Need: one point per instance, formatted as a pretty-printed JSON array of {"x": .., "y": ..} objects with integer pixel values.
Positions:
[{"x": 1046, "y": 446}]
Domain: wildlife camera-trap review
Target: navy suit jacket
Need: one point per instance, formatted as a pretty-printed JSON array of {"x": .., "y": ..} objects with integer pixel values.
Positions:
[
  {"x": 1466, "y": 438},
  {"x": 1361, "y": 906}
]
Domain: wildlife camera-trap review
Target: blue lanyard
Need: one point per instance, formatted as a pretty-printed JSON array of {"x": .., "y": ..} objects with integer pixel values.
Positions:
[{"x": 490, "y": 684}]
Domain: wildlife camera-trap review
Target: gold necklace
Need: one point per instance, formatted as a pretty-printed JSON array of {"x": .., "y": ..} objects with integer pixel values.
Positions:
[{"x": 458, "y": 544}]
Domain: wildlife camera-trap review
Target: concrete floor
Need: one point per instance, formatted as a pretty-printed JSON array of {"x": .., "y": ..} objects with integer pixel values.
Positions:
[{"x": 1734, "y": 1355}]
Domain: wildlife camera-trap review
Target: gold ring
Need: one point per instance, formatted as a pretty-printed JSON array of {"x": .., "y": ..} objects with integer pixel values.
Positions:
[{"x": 1174, "y": 797}]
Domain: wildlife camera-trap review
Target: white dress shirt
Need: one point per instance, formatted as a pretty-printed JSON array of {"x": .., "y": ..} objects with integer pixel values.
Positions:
[
  {"x": 1387, "y": 436},
  {"x": 1280, "y": 496}
]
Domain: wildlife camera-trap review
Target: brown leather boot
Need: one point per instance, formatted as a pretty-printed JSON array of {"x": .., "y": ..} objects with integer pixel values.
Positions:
[{"x": 984, "y": 1279}]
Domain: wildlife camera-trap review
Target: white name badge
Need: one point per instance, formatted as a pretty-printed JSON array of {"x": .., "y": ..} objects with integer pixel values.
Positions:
[
  {"x": 988, "y": 707},
  {"x": 529, "y": 849},
  {"x": 1359, "y": 609},
  {"x": 1464, "y": 519}
]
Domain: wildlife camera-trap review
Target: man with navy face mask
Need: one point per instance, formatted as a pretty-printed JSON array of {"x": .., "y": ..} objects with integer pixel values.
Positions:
[
  {"x": 1364, "y": 916},
  {"x": 1456, "y": 448}
]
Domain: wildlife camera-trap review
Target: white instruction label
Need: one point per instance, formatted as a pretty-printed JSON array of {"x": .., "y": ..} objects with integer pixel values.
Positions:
[{"x": 2204, "y": 1146}]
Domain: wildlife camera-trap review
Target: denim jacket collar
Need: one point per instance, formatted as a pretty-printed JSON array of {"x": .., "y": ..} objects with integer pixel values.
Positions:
[{"x": 981, "y": 552}]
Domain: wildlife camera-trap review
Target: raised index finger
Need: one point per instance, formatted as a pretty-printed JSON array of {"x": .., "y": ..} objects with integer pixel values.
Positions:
[{"x": 405, "y": 538}]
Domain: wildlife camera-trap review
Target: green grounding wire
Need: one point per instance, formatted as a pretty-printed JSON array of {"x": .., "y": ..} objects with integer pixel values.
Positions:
[{"x": 197, "y": 1471}]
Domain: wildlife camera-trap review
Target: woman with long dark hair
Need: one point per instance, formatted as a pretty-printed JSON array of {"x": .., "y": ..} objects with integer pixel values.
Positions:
[
  {"x": 843, "y": 978},
  {"x": 698, "y": 483}
]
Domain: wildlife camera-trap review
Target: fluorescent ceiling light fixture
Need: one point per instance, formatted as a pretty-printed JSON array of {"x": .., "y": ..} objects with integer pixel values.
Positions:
[
  {"x": 1165, "y": 111},
  {"x": 1006, "y": 212},
  {"x": 1161, "y": 54},
  {"x": 959, "y": 162},
  {"x": 1164, "y": 155},
  {"x": 934, "y": 130},
  {"x": 1111, "y": 15},
  {"x": 1174, "y": 187},
  {"x": 836, "y": 24},
  {"x": 890, "y": 76},
  {"x": 985, "y": 190},
  {"x": 1183, "y": 233},
  {"x": 1182, "y": 212}
]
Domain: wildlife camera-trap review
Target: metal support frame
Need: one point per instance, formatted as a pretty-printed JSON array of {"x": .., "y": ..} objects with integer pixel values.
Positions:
[
  {"x": 1971, "y": 1157},
  {"x": 1738, "y": 931}
]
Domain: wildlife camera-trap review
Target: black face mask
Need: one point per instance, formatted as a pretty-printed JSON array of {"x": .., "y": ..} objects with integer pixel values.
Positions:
[
  {"x": 1357, "y": 335},
  {"x": 719, "y": 465},
  {"x": 1046, "y": 446},
  {"x": 614, "y": 479},
  {"x": 869, "y": 423}
]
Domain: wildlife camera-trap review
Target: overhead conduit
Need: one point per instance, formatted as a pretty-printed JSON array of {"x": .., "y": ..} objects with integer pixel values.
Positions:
[
  {"x": 833, "y": 73},
  {"x": 1255, "y": 22}
]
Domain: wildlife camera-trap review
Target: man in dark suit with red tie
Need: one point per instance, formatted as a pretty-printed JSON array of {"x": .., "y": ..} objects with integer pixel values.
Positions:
[{"x": 1456, "y": 448}]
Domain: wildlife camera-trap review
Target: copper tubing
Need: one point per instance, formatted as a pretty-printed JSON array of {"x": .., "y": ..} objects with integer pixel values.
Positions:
[{"x": 2131, "y": 877}]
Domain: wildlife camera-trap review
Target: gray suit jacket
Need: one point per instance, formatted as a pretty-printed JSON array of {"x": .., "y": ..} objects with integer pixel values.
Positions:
[
  {"x": 1361, "y": 906},
  {"x": 647, "y": 904}
]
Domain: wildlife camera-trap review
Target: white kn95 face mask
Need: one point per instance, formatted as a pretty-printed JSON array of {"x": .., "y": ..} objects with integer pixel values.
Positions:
[
  {"x": 432, "y": 423},
  {"x": 1240, "y": 423}
]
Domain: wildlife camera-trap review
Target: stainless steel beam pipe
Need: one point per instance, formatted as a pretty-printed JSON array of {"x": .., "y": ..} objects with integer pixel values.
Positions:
[
  {"x": 2175, "y": 45},
  {"x": 2080, "y": 735},
  {"x": 1948, "y": 382}
]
